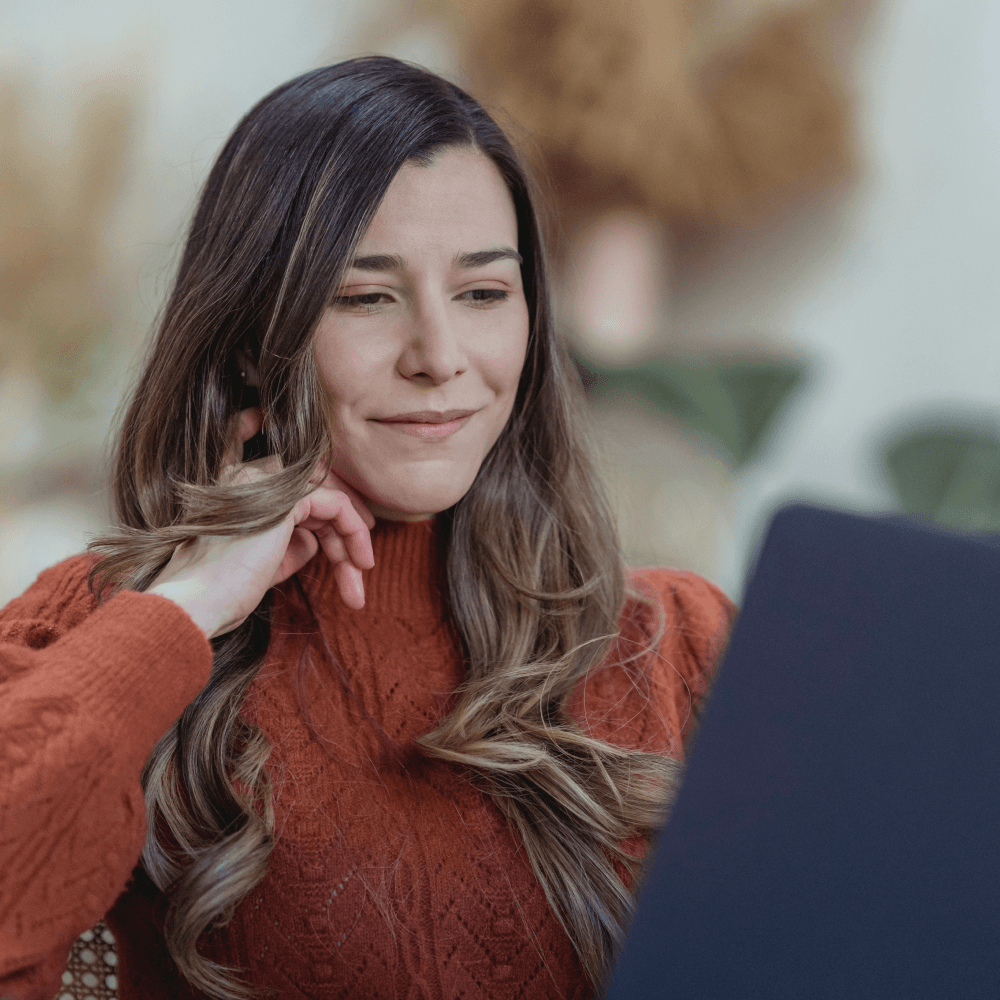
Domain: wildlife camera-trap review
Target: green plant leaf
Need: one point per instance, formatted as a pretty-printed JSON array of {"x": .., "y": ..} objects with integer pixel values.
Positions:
[
  {"x": 732, "y": 404},
  {"x": 948, "y": 473}
]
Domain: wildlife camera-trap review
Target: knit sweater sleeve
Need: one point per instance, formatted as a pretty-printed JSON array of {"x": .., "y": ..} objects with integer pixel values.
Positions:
[{"x": 85, "y": 693}]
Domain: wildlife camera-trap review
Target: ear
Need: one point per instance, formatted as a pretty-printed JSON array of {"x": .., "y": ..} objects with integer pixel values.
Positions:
[{"x": 247, "y": 365}]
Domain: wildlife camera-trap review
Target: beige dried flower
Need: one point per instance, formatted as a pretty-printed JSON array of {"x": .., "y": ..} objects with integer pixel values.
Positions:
[
  {"x": 692, "y": 110},
  {"x": 54, "y": 209}
]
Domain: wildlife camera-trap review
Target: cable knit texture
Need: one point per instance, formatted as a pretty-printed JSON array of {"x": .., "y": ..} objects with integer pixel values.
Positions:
[{"x": 392, "y": 876}]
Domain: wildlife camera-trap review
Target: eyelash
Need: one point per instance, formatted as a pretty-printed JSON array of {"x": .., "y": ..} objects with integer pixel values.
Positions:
[
  {"x": 354, "y": 301},
  {"x": 489, "y": 297}
]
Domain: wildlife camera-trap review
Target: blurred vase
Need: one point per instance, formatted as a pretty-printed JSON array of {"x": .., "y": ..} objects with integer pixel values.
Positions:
[{"x": 618, "y": 287}]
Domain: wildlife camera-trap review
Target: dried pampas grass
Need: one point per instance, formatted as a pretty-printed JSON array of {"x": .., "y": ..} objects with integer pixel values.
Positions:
[
  {"x": 55, "y": 202},
  {"x": 691, "y": 110}
]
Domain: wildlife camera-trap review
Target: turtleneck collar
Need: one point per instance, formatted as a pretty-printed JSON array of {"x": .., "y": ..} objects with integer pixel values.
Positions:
[{"x": 408, "y": 578}]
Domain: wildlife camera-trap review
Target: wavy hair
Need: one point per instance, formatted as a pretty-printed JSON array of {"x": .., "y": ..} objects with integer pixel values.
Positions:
[{"x": 535, "y": 579}]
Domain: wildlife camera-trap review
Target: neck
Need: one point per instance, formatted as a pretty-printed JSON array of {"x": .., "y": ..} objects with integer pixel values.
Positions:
[
  {"x": 384, "y": 513},
  {"x": 408, "y": 578}
]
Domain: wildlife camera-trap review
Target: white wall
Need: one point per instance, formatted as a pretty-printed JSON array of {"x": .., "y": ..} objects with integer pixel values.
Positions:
[
  {"x": 195, "y": 66},
  {"x": 892, "y": 293}
]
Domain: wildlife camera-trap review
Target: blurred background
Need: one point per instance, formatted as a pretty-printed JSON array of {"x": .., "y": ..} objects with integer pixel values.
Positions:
[{"x": 774, "y": 224}]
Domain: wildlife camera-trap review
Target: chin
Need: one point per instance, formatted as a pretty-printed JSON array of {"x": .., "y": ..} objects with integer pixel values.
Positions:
[{"x": 411, "y": 503}]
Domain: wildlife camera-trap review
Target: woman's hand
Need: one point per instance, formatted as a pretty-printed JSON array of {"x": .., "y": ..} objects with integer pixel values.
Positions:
[{"x": 220, "y": 579}]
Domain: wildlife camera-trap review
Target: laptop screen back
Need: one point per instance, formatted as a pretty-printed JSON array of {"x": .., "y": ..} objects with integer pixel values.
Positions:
[{"x": 838, "y": 831}]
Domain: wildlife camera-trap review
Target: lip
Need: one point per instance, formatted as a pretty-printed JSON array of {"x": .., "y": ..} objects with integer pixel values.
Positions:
[
  {"x": 428, "y": 425},
  {"x": 427, "y": 417}
]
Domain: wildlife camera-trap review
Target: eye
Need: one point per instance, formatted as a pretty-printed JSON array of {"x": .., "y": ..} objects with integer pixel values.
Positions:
[
  {"x": 365, "y": 302},
  {"x": 486, "y": 296}
]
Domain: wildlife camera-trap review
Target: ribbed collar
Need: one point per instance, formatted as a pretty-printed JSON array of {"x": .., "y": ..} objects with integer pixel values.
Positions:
[{"x": 408, "y": 578}]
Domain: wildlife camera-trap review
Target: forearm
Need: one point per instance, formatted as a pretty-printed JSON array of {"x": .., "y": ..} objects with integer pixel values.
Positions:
[{"x": 78, "y": 720}]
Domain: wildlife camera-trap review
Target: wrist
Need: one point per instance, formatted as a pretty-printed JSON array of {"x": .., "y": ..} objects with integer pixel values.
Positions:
[{"x": 189, "y": 596}]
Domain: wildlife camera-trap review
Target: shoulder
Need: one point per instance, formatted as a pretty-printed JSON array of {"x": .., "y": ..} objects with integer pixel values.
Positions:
[
  {"x": 648, "y": 692},
  {"x": 58, "y": 600},
  {"x": 698, "y": 615}
]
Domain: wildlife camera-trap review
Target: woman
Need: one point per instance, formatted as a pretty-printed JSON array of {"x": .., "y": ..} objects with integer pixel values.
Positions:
[{"x": 363, "y": 647}]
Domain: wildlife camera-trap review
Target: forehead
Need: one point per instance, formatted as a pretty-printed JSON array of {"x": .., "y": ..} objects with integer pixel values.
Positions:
[{"x": 458, "y": 201}]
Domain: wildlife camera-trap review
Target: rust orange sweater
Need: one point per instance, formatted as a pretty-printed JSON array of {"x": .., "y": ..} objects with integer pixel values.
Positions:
[{"x": 386, "y": 880}]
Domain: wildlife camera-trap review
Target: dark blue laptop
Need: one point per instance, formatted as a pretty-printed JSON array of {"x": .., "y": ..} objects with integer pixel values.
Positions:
[{"x": 838, "y": 831}]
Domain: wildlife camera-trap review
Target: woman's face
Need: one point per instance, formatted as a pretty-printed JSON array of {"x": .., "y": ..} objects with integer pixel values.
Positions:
[{"x": 423, "y": 346}]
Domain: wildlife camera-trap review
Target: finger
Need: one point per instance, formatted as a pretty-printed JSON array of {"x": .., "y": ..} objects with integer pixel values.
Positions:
[
  {"x": 332, "y": 544},
  {"x": 335, "y": 508},
  {"x": 350, "y": 584},
  {"x": 302, "y": 546},
  {"x": 362, "y": 508},
  {"x": 329, "y": 480}
]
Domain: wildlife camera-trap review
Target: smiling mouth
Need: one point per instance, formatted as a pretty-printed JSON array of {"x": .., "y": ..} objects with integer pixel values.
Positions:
[
  {"x": 427, "y": 417},
  {"x": 428, "y": 425}
]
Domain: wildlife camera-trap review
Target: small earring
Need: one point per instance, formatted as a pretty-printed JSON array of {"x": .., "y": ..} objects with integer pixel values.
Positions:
[{"x": 243, "y": 374}]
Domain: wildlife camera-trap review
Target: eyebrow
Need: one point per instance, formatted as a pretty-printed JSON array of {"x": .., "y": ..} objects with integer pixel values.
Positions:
[
  {"x": 480, "y": 258},
  {"x": 466, "y": 260}
]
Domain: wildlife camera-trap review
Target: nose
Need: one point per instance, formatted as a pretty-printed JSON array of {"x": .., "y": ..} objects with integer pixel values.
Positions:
[{"x": 434, "y": 351}]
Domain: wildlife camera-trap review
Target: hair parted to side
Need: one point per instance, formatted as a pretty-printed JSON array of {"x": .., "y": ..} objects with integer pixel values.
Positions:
[{"x": 536, "y": 581}]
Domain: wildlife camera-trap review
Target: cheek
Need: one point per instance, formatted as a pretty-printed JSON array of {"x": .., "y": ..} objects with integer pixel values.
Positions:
[
  {"x": 506, "y": 360},
  {"x": 347, "y": 365}
]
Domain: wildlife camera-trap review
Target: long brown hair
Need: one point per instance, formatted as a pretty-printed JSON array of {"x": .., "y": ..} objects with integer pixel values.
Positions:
[{"x": 535, "y": 578}]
